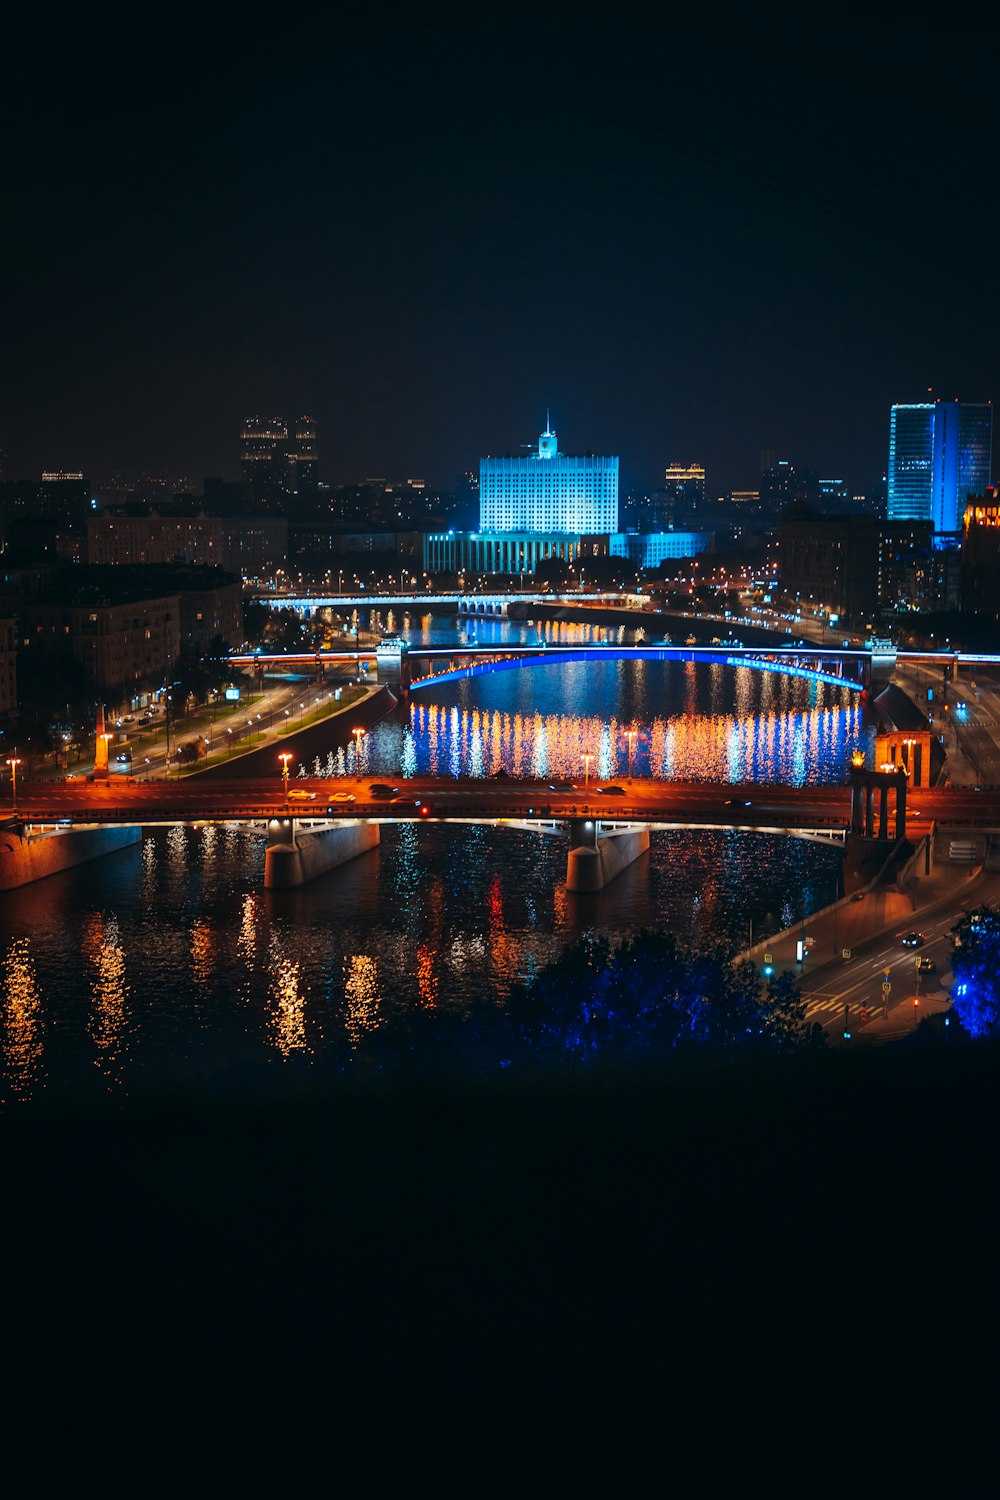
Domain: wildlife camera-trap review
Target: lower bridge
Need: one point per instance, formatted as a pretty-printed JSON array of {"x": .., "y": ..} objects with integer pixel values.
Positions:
[{"x": 316, "y": 824}]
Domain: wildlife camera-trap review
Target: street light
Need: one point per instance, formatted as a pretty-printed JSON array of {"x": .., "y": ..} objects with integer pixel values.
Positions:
[
  {"x": 285, "y": 757},
  {"x": 630, "y": 735},
  {"x": 909, "y": 758},
  {"x": 13, "y": 761},
  {"x": 357, "y": 733},
  {"x": 586, "y": 768}
]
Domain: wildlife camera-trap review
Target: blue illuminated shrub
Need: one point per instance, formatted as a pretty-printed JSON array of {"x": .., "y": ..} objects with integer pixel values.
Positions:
[{"x": 975, "y": 964}]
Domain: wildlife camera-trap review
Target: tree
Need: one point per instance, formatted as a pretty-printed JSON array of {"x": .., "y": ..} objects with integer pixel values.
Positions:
[
  {"x": 551, "y": 570},
  {"x": 975, "y": 964},
  {"x": 189, "y": 679},
  {"x": 651, "y": 993}
]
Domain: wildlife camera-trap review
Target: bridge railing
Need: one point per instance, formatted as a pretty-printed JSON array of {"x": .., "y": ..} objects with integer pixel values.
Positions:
[{"x": 624, "y": 812}]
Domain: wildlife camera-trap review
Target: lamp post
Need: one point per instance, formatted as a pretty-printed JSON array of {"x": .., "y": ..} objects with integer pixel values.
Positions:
[
  {"x": 357, "y": 733},
  {"x": 909, "y": 759},
  {"x": 630, "y": 735},
  {"x": 13, "y": 761},
  {"x": 285, "y": 757},
  {"x": 586, "y": 768}
]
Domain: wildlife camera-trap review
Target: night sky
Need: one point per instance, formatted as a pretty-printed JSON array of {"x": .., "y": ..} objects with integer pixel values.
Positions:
[{"x": 689, "y": 242}]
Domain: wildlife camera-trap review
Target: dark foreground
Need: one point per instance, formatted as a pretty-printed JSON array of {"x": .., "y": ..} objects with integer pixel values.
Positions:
[{"x": 534, "y": 1231}]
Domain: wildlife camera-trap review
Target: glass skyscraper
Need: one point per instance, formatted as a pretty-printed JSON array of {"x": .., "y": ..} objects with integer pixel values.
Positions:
[
  {"x": 548, "y": 491},
  {"x": 940, "y": 452}
]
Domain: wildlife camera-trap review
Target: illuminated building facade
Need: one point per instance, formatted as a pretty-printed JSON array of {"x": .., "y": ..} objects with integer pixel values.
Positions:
[
  {"x": 649, "y": 549},
  {"x": 940, "y": 454},
  {"x": 506, "y": 552},
  {"x": 684, "y": 488},
  {"x": 548, "y": 492}
]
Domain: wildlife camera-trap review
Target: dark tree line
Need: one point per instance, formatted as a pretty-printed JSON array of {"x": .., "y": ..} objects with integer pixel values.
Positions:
[{"x": 648, "y": 997}]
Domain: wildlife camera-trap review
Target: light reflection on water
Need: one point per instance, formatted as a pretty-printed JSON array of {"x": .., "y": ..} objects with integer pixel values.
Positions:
[
  {"x": 22, "y": 1031},
  {"x": 224, "y": 974},
  {"x": 170, "y": 957}
]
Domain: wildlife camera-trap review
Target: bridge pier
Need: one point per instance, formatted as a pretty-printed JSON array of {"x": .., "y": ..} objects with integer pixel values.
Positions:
[
  {"x": 295, "y": 855},
  {"x": 595, "y": 859},
  {"x": 864, "y": 785},
  {"x": 392, "y": 662}
]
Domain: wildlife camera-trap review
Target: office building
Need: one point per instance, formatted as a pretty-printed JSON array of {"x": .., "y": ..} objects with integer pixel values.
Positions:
[
  {"x": 64, "y": 498},
  {"x": 302, "y": 460},
  {"x": 682, "y": 495},
  {"x": 505, "y": 553},
  {"x": 981, "y": 555},
  {"x": 684, "y": 491},
  {"x": 859, "y": 567},
  {"x": 782, "y": 485},
  {"x": 548, "y": 491},
  {"x": 279, "y": 461},
  {"x": 940, "y": 454},
  {"x": 650, "y": 549}
]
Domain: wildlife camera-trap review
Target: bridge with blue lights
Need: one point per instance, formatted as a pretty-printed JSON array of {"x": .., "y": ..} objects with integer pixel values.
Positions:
[{"x": 848, "y": 669}]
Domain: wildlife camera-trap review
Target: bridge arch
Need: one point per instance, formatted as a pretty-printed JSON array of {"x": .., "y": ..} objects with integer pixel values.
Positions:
[{"x": 487, "y": 660}]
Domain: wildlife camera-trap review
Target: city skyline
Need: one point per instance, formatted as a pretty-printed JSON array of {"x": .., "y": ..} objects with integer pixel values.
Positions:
[{"x": 693, "y": 250}]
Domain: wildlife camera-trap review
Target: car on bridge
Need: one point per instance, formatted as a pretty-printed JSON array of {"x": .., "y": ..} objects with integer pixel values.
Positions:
[
  {"x": 341, "y": 797},
  {"x": 611, "y": 791},
  {"x": 738, "y": 802},
  {"x": 382, "y": 789},
  {"x": 299, "y": 794}
]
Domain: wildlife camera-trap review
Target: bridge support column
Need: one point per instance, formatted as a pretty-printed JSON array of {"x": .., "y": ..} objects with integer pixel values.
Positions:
[
  {"x": 864, "y": 785},
  {"x": 295, "y": 855},
  {"x": 594, "y": 860},
  {"x": 392, "y": 663}
]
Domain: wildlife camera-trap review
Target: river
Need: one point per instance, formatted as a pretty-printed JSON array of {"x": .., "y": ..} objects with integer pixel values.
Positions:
[{"x": 167, "y": 966}]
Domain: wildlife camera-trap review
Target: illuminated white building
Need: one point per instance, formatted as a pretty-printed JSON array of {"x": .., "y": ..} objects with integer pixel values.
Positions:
[{"x": 548, "y": 491}]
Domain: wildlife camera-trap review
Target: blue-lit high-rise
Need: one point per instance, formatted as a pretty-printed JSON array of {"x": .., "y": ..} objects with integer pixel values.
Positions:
[
  {"x": 940, "y": 452},
  {"x": 548, "y": 491}
]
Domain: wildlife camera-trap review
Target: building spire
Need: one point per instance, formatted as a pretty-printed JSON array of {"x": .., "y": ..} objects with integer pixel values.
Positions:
[{"x": 547, "y": 440}]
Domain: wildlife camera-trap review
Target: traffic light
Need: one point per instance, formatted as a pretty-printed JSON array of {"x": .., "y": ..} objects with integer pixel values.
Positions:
[
  {"x": 847, "y": 1023},
  {"x": 768, "y": 971}
]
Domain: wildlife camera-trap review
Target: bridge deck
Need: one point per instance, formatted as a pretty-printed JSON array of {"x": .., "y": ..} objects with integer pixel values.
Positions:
[{"x": 666, "y": 803}]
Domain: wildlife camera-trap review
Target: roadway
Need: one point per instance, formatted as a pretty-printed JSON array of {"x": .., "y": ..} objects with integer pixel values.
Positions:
[
  {"x": 839, "y": 991},
  {"x": 665, "y": 803}
]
